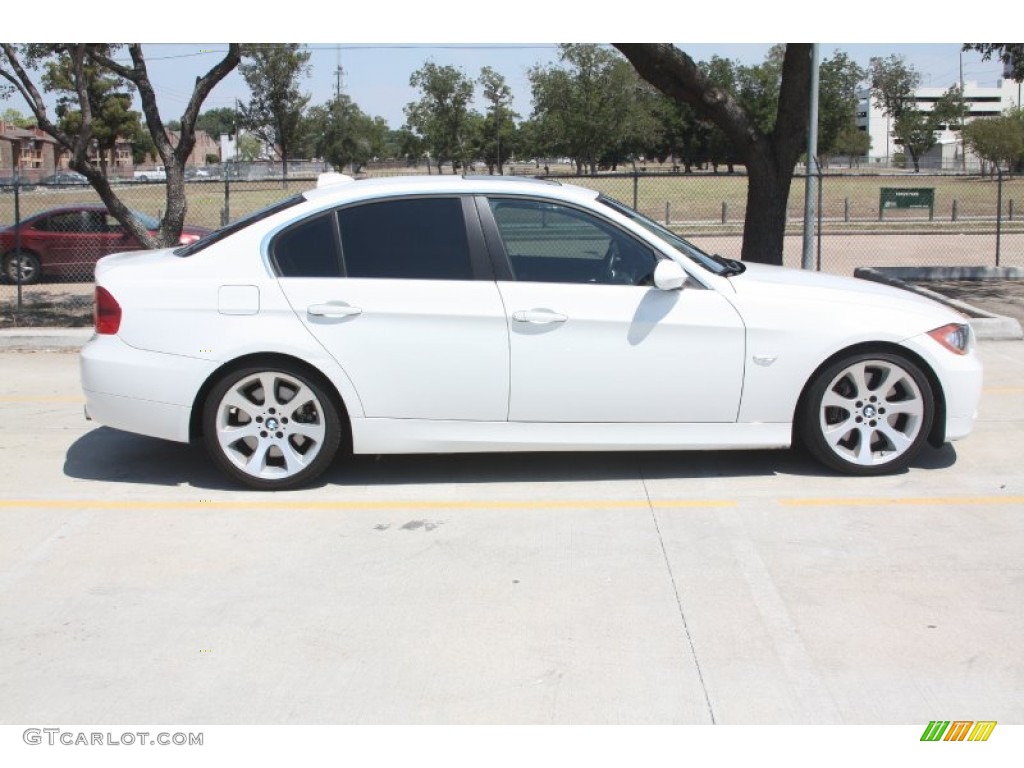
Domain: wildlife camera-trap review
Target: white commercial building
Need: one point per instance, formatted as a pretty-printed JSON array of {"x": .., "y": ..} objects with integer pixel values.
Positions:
[{"x": 948, "y": 153}]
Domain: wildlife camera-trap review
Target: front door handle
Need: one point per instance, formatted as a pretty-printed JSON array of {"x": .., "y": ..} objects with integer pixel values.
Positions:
[
  {"x": 333, "y": 310},
  {"x": 538, "y": 316}
]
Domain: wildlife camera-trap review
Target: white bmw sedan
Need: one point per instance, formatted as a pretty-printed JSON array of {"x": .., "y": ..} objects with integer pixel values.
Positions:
[{"x": 448, "y": 314}]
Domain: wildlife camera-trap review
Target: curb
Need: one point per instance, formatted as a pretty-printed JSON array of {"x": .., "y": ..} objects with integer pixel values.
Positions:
[
  {"x": 985, "y": 324},
  {"x": 44, "y": 339}
]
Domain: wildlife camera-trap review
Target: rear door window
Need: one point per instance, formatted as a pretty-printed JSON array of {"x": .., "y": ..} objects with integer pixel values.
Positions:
[{"x": 410, "y": 239}]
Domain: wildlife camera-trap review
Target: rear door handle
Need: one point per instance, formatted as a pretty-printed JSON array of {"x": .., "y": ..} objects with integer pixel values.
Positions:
[
  {"x": 538, "y": 316},
  {"x": 333, "y": 310}
]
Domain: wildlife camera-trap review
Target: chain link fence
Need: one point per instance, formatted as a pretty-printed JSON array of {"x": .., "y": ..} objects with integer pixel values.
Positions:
[{"x": 864, "y": 219}]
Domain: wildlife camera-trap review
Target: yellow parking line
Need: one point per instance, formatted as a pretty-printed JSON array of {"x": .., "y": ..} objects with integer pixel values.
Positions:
[
  {"x": 389, "y": 504},
  {"x": 1003, "y": 390},
  {"x": 937, "y": 501}
]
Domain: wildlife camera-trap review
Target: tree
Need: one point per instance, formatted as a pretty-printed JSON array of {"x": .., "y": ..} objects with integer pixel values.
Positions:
[
  {"x": 248, "y": 148},
  {"x": 345, "y": 135},
  {"x": 893, "y": 82},
  {"x": 588, "y": 108},
  {"x": 12, "y": 116},
  {"x": 998, "y": 140},
  {"x": 274, "y": 113},
  {"x": 770, "y": 157},
  {"x": 915, "y": 130},
  {"x": 681, "y": 135},
  {"x": 220, "y": 121},
  {"x": 406, "y": 145},
  {"x": 852, "y": 142},
  {"x": 143, "y": 146},
  {"x": 839, "y": 77},
  {"x": 1011, "y": 54},
  {"x": 110, "y": 101},
  {"x": 499, "y": 122},
  {"x": 441, "y": 116},
  {"x": 15, "y": 65}
]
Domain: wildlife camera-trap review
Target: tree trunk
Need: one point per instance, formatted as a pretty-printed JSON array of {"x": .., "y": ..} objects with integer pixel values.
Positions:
[
  {"x": 769, "y": 158},
  {"x": 764, "y": 227}
]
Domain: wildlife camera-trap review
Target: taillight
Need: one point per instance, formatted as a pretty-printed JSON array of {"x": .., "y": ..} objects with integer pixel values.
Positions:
[
  {"x": 187, "y": 239},
  {"x": 107, "y": 312}
]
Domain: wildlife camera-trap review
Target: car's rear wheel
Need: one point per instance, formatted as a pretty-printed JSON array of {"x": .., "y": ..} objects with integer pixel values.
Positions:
[
  {"x": 22, "y": 269},
  {"x": 271, "y": 428},
  {"x": 868, "y": 414}
]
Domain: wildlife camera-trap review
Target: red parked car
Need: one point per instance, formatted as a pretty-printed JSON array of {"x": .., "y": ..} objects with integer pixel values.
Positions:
[{"x": 66, "y": 242}]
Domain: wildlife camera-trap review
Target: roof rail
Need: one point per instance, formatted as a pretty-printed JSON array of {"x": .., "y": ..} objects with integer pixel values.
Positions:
[{"x": 496, "y": 177}]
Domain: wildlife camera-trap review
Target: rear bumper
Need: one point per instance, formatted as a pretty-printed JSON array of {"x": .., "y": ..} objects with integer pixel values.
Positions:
[{"x": 148, "y": 393}]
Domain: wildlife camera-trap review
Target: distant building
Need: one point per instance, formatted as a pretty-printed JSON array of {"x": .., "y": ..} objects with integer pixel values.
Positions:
[
  {"x": 31, "y": 150},
  {"x": 205, "y": 145},
  {"x": 949, "y": 152}
]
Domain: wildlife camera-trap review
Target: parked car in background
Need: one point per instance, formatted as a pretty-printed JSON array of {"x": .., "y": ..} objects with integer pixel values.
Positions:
[
  {"x": 447, "y": 314},
  {"x": 159, "y": 173},
  {"x": 66, "y": 242},
  {"x": 64, "y": 179},
  {"x": 7, "y": 184},
  {"x": 201, "y": 173}
]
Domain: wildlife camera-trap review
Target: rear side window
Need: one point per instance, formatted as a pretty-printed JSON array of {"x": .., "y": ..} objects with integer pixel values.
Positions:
[
  {"x": 308, "y": 249},
  {"x": 226, "y": 231},
  {"x": 412, "y": 239},
  {"x": 66, "y": 221}
]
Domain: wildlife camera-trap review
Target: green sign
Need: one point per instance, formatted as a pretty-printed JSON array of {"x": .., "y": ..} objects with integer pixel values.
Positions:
[{"x": 914, "y": 197}]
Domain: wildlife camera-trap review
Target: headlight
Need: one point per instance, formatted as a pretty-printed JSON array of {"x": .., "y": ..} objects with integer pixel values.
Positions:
[{"x": 956, "y": 337}]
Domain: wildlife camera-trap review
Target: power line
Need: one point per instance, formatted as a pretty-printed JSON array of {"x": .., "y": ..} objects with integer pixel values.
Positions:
[{"x": 373, "y": 47}]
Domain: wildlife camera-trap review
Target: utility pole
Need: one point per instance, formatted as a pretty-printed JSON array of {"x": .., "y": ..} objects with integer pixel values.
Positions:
[
  {"x": 810, "y": 186},
  {"x": 339, "y": 73}
]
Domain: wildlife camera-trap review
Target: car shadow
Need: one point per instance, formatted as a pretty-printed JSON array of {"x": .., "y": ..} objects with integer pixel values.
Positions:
[{"x": 110, "y": 455}]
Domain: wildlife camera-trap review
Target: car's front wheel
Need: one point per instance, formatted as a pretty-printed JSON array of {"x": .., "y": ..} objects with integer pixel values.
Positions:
[
  {"x": 22, "y": 269},
  {"x": 868, "y": 414},
  {"x": 272, "y": 427}
]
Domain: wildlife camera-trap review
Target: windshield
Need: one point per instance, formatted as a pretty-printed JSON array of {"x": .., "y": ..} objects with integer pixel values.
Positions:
[
  {"x": 149, "y": 222},
  {"x": 685, "y": 247},
  {"x": 230, "y": 229}
]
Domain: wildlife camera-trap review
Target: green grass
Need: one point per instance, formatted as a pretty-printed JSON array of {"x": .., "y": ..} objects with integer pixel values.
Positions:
[
  {"x": 695, "y": 202},
  {"x": 698, "y": 198}
]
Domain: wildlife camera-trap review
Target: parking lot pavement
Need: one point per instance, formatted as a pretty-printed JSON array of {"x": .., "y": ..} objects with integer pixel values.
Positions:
[{"x": 136, "y": 586}]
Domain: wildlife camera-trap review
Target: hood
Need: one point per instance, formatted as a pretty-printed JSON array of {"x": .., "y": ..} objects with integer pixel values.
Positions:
[{"x": 762, "y": 280}]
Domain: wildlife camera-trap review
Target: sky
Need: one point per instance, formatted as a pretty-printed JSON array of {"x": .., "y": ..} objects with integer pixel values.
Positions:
[
  {"x": 376, "y": 77},
  {"x": 379, "y": 54}
]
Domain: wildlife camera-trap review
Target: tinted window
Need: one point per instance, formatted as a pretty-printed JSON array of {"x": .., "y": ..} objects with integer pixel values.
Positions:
[
  {"x": 415, "y": 239},
  {"x": 308, "y": 249},
  {"x": 217, "y": 235},
  {"x": 68, "y": 221},
  {"x": 552, "y": 243}
]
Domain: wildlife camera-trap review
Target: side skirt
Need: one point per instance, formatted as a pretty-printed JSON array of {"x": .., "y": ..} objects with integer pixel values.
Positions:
[{"x": 376, "y": 436}]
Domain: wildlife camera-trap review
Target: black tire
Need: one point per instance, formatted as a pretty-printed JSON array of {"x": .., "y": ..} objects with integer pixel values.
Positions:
[
  {"x": 23, "y": 270},
  {"x": 867, "y": 414},
  {"x": 271, "y": 443}
]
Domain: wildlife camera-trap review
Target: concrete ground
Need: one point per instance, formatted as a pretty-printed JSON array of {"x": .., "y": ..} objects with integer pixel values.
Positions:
[{"x": 136, "y": 586}]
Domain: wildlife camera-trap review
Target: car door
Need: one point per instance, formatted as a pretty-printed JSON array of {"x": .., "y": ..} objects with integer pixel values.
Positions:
[
  {"x": 401, "y": 294},
  {"x": 56, "y": 236},
  {"x": 73, "y": 240},
  {"x": 591, "y": 339}
]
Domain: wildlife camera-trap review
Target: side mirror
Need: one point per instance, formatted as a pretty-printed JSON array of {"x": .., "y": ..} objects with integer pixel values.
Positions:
[{"x": 669, "y": 276}]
